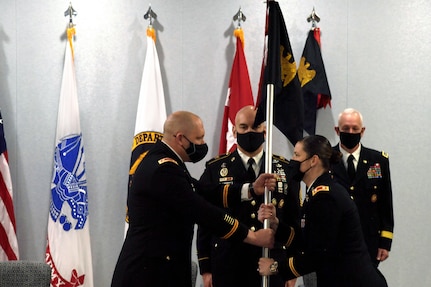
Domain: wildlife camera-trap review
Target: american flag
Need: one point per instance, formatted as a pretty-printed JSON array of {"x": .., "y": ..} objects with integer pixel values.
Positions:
[{"x": 8, "y": 240}]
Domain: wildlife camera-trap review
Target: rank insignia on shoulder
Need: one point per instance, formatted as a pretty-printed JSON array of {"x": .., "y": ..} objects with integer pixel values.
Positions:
[
  {"x": 217, "y": 158},
  {"x": 167, "y": 159},
  {"x": 385, "y": 154},
  {"x": 319, "y": 189},
  {"x": 277, "y": 158}
]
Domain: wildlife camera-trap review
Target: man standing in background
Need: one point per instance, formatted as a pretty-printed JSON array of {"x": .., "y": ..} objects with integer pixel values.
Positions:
[{"x": 365, "y": 174}]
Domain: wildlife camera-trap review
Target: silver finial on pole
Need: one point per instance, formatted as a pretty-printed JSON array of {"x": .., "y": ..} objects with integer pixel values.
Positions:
[
  {"x": 70, "y": 12},
  {"x": 150, "y": 15},
  {"x": 239, "y": 16},
  {"x": 313, "y": 18}
]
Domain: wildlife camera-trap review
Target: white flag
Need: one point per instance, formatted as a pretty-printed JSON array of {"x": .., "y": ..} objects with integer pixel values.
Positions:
[
  {"x": 68, "y": 250},
  {"x": 8, "y": 241},
  {"x": 151, "y": 113}
]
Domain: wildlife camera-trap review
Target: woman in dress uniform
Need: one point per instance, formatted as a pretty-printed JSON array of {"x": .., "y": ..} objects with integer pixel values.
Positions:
[{"x": 333, "y": 243}]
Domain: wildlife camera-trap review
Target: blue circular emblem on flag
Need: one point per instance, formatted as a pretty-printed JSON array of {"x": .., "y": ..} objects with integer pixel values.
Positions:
[{"x": 69, "y": 184}]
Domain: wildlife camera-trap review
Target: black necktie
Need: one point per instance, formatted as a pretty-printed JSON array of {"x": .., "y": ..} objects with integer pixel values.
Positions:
[
  {"x": 250, "y": 171},
  {"x": 351, "y": 167}
]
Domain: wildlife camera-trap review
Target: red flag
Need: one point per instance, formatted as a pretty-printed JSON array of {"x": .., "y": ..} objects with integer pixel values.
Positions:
[
  {"x": 8, "y": 240},
  {"x": 314, "y": 83},
  {"x": 239, "y": 94}
]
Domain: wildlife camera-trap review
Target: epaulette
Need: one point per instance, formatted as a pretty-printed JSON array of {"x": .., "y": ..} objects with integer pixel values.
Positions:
[
  {"x": 280, "y": 158},
  {"x": 167, "y": 159},
  {"x": 217, "y": 158},
  {"x": 385, "y": 154},
  {"x": 319, "y": 189}
]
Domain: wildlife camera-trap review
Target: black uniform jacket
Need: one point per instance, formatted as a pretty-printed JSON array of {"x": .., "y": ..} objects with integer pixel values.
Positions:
[
  {"x": 334, "y": 246},
  {"x": 163, "y": 208},
  {"x": 372, "y": 192},
  {"x": 235, "y": 263}
]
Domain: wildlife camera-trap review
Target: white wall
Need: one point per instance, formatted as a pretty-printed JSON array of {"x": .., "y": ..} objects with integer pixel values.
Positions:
[{"x": 377, "y": 60}]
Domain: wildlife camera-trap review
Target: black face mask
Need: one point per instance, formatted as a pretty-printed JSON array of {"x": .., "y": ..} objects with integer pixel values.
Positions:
[
  {"x": 196, "y": 152},
  {"x": 250, "y": 141},
  {"x": 350, "y": 140},
  {"x": 293, "y": 170}
]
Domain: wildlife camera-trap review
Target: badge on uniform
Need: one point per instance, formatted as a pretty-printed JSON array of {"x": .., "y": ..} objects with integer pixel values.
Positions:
[
  {"x": 281, "y": 203},
  {"x": 280, "y": 186},
  {"x": 224, "y": 171},
  {"x": 281, "y": 180},
  {"x": 374, "y": 171},
  {"x": 226, "y": 180}
]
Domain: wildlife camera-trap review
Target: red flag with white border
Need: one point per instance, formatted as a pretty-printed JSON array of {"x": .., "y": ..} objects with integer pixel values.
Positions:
[{"x": 239, "y": 94}]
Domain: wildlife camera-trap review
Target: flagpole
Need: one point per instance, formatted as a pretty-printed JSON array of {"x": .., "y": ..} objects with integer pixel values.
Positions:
[{"x": 268, "y": 161}]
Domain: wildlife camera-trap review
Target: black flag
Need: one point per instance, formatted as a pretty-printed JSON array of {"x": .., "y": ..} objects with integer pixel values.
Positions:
[
  {"x": 279, "y": 69},
  {"x": 314, "y": 83}
]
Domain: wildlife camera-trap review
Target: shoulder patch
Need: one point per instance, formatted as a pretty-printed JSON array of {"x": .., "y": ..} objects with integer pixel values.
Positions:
[
  {"x": 167, "y": 159},
  {"x": 217, "y": 158},
  {"x": 319, "y": 189},
  {"x": 280, "y": 158},
  {"x": 385, "y": 154}
]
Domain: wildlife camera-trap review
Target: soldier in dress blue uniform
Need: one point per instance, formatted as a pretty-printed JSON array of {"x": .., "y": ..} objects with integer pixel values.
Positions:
[
  {"x": 370, "y": 185},
  {"x": 163, "y": 208},
  {"x": 229, "y": 183},
  {"x": 334, "y": 245}
]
